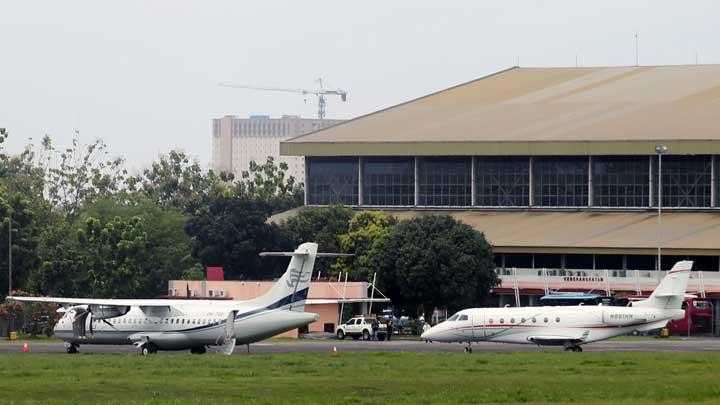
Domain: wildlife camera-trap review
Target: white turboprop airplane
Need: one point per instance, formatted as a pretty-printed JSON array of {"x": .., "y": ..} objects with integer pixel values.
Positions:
[
  {"x": 181, "y": 324},
  {"x": 568, "y": 326}
]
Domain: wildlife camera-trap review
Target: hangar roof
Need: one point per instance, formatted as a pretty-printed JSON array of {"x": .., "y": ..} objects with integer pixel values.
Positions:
[
  {"x": 541, "y": 111},
  {"x": 683, "y": 233}
]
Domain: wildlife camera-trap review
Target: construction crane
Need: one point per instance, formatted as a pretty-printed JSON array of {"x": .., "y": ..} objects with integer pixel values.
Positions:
[{"x": 320, "y": 92}]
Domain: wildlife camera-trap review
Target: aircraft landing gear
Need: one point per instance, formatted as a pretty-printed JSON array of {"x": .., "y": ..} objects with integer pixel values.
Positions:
[
  {"x": 577, "y": 349},
  {"x": 148, "y": 348},
  {"x": 468, "y": 348},
  {"x": 72, "y": 348},
  {"x": 198, "y": 350}
]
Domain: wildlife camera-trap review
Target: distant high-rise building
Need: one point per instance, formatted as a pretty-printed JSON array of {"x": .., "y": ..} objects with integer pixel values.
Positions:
[{"x": 238, "y": 141}]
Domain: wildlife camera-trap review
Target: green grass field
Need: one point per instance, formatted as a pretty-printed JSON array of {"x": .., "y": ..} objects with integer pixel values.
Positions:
[{"x": 357, "y": 378}]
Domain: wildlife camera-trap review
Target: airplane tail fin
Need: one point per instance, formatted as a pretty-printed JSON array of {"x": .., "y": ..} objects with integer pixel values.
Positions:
[
  {"x": 670, "y": 293},
  {"x": 292, "y": 288}
]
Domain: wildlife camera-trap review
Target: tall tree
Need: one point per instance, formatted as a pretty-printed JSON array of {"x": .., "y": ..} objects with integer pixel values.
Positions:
[
  {"x": 268, "y": 184},
  {"x": 365, "y": 228},
  {"x": 434, "y": 262},
  {"x": 175, "y": 180},
  {"x": 22, "y": 205},
  {"x": 117, "y": 247},
  {"x": 229, "y": 226},
  {"x": 80, "y": 174},
  {"x": 229, "y": 231},
  {"x": 321, "y": 225}
]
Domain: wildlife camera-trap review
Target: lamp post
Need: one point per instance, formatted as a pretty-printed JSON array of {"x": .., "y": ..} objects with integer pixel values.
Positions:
[
  {"x": 660, "y": 150},
  {"x": 9, "y": 253}
]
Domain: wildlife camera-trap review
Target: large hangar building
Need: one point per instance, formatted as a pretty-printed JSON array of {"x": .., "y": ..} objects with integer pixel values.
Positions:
[{"x": 557, "y": 166}]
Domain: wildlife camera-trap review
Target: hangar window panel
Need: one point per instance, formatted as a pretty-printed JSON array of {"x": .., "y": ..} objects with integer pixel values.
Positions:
[
  {"x": 388, "y": 181},
  {"x": 704, "y": 263},
  {"x": 609, "y": 262},
  {"x": 640, "y": 262},
  {"x": 445, "y": 181},
  {"x": 502, "y": 181},
  {"x": 578, "y": 261},
  {"x": 621, "y": 181},
  {"x": 685, "y": 181},
  {"x": 547, "y": 261},
  {"x": 521, "y": 260},
  {"x": 332, "y": 180},
  {"x": 560, "y": 182}
]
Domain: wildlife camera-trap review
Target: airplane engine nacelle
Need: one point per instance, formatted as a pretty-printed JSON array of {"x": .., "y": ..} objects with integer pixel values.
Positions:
[
  {"x": 107, "y": 311},
  {"x": 619, "y": 318}
]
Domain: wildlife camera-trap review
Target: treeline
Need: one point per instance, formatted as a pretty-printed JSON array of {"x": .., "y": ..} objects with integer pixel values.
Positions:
[{"x": 82, "y": 225}]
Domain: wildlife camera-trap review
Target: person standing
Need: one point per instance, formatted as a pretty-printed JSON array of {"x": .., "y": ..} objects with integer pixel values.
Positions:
[{"x": 375, "y": 327}]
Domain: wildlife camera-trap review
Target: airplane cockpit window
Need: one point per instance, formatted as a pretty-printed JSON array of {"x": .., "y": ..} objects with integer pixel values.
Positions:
[
  {"x": 453, "y": 318},
  {"x": 463, "y": 318}
]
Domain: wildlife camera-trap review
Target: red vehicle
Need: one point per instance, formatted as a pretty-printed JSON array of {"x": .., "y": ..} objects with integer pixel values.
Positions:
[{"x": 698, "y": 318}]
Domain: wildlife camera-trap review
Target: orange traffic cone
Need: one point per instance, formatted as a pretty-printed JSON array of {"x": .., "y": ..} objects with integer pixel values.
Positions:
[{"x": 25, "y": 348}]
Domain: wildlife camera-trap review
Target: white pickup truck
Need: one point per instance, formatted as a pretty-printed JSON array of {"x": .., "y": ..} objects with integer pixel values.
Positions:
[{"x": 360, "y": 326}]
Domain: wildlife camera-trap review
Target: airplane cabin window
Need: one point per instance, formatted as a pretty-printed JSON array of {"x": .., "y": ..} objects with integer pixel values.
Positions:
[
  {"x": 534, "y": 320},
  {"x": 490, "y": 321},
  {"x": 512, "y": 320},
  {"x": 545, "y": 320},
  {"x": 463, "y": 318},
  {"x": 557, "y": 319},
  {"x": 502, "y": 320},
  {"x": 522, "y": 320}
]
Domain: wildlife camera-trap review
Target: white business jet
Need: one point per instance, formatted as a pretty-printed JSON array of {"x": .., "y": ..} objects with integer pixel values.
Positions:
[
  {"x": 181, "y": 324},
  {"x": 566, "y": 326}
]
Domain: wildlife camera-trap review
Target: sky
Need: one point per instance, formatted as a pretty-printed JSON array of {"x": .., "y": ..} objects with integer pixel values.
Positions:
[{"x": 143, "y": 75}]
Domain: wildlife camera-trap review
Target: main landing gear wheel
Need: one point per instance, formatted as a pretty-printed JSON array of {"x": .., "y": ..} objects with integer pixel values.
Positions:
[
  {"x": 199, "y": 350},
  {"x": 148, "y": 348},
  {"x": 576, "y": 349},
  {"x": 468, "y": 349},
  {"x": 72, "y": 349}
]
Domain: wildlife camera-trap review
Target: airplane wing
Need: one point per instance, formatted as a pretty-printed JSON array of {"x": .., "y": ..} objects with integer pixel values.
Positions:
[
  {"x": 158, "y": 308},
  {"x": 95, "y": 301},
  {"x": 559, "y": 340}
]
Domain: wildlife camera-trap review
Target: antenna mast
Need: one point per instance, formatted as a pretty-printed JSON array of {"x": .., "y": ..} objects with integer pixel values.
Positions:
[{"x": 637, "y": 54}]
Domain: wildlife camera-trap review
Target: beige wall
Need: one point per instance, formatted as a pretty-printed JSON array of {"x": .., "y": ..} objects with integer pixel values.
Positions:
[{"x": 238, "y": 141}]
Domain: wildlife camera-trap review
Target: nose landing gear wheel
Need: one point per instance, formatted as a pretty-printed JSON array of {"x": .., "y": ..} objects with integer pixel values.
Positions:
[
  {"x": 468, "y": 349},
  {"x": 72, "y": 349}
]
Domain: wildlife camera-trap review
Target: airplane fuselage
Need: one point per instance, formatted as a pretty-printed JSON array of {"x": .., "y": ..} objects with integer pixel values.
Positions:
[
  {"x": 189, "y": 324},
  {"x": 549, "y": 325}
]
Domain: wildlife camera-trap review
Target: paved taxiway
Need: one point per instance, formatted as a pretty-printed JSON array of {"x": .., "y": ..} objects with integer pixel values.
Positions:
[{"x": 309, "y": 345}]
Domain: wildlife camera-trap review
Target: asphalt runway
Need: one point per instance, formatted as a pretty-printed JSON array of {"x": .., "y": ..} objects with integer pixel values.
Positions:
[{"x": 323, "y": 345}]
